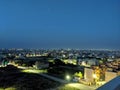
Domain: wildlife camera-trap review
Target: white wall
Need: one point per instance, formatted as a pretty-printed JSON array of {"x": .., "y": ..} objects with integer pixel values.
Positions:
[{"x": 88, "y": 75}]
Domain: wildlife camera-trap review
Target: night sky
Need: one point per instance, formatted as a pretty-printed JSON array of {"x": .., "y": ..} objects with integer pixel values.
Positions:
[{"x": 84, "y": 24}]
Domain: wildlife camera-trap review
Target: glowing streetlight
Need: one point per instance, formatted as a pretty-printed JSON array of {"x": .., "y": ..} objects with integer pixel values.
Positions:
[
  {"x": 68, "y": 77},
  {"x": 94, "y": 76}
]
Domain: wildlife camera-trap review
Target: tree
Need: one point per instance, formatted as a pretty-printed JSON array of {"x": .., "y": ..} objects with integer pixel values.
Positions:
[
  {"x": 59, "y": 62},
  {"x": 78, "y": 74},
  {"x": 37, "y": 64}
]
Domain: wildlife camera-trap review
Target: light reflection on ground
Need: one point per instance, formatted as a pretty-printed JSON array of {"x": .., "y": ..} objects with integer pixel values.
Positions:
[
  {"x": 10, "y": 88},
  {"x": 34, "y": 71},
  {"x": 80, "y": 86}
]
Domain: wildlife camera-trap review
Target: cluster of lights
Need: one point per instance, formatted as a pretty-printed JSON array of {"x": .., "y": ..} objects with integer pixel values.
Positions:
[{"x": 94, "y": 76}]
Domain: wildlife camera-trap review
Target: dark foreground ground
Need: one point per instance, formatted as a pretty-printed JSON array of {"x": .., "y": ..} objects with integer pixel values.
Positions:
[{"x": 11, "y": 78}]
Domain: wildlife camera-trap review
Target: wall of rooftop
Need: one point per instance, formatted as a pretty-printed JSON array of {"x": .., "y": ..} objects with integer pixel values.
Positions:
[{"x": 110, "y": 75}]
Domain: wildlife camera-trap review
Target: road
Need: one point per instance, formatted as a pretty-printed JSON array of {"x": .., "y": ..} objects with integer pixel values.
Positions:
[{"x": 54, "y": 78}]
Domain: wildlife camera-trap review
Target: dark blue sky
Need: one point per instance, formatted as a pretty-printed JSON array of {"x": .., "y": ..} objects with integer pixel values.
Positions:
[{"x": 84, "y": 24}]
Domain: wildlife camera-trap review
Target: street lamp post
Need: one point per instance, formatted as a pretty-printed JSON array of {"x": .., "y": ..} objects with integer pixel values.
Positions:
[{"x": 68, "y": 78}]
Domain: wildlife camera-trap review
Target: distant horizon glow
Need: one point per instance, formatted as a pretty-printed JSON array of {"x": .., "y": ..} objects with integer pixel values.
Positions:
[{"x": 82, "y": 24}]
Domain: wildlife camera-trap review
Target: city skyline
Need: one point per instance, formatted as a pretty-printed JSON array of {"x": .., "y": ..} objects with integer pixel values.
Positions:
[{"x": 60, "y": 24}]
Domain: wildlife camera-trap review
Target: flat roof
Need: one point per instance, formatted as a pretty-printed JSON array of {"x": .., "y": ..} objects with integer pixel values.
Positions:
[{"x": 114, "y": 84}]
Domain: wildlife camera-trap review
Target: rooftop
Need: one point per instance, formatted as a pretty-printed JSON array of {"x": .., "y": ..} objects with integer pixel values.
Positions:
[{"x": 114, "y": 84}]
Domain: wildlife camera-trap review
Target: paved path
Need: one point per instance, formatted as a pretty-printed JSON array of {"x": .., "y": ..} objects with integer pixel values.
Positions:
[
  {"x": 75, "y": 85},
  {"x": 54, "y": 78},
  {"x": 81, "y": 86}
]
